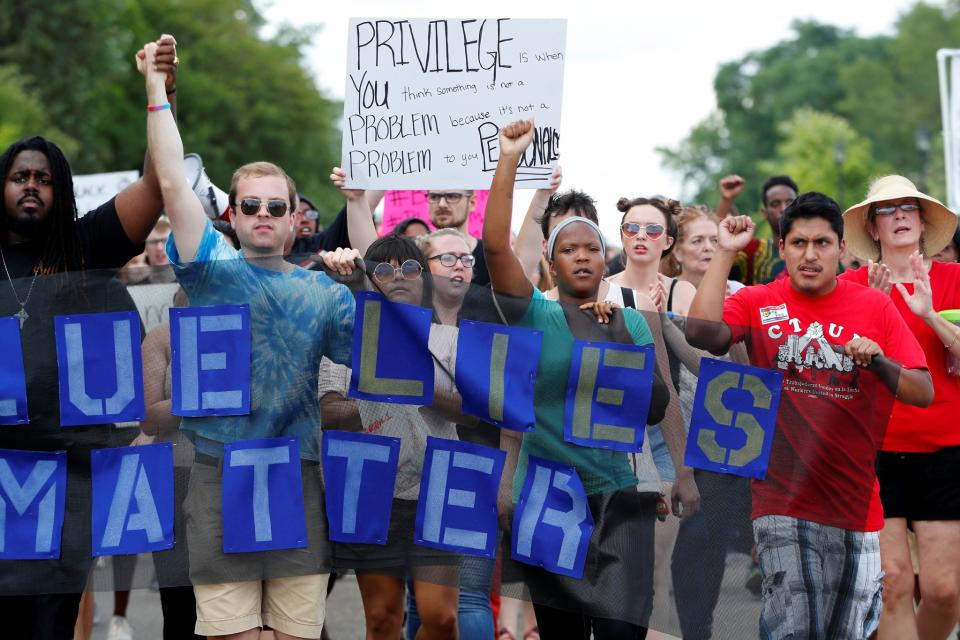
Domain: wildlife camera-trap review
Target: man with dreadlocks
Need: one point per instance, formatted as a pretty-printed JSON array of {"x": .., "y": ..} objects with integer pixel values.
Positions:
[{"x": 52, "y": 262}]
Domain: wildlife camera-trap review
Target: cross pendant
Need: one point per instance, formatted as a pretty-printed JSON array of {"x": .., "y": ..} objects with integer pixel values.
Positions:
[{"x": 22, "y": 315}]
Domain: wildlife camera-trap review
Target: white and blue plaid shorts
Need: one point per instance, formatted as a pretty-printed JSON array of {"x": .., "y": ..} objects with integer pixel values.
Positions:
[{"x": 819, "y": 582}]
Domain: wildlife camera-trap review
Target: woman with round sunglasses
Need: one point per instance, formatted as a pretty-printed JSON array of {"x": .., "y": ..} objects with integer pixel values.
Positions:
[
  {"x": 614, "y": 598},
  {"x": 395, "y": 266},
  {"x": 896, "y": 229}
]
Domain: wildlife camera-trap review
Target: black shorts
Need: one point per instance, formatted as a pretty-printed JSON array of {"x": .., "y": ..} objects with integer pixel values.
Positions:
[{"x": 920, "y": 486}]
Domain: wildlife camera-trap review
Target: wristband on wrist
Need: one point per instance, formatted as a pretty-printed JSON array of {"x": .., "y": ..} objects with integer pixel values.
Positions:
[{"x": 158, "y": 107}]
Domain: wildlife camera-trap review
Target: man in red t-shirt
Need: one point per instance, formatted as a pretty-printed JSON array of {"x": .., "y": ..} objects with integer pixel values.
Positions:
[{"x": 844, "y": 351}]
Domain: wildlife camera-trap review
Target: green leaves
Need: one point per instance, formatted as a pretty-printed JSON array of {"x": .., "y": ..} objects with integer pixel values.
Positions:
[
  {"x": 785, "y": 109},
  {"x": 242, "y": 95}
]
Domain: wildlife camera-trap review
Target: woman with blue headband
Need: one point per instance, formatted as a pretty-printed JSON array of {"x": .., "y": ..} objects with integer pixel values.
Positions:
[{"x": 614, "y": 598}]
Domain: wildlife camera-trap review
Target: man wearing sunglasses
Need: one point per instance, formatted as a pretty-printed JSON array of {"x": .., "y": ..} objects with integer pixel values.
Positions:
[
  {"x": 450, "y": 209},
  {"x": 296, "y": 318}
]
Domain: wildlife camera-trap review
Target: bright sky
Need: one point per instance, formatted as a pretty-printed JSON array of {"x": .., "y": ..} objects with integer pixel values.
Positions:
[{"x": 638, "y": 75}]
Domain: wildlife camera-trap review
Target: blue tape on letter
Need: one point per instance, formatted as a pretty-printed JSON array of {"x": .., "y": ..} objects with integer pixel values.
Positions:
[
  {"x": 391, "y": 357},
  {"x": 497, "y": 371},
  {"x": 457, "y": 507},
  {"x": 552, "y": 524},
  {"x": 263, "y": 496},
  {"x": 13, "y": 384},
  {"x": 210, "y": 360},
  {"x": 132, "y": 499},
  {"x": 355, "y": 465},
  {"x": 733, "y": 418},
  {"x": 608, "y": 395},
  {"x": 100, "y": 369},
  {"x": 33, "y": 489}
]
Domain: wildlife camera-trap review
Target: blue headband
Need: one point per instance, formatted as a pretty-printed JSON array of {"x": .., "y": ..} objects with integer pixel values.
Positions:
[{"x": 565, "y": 223}]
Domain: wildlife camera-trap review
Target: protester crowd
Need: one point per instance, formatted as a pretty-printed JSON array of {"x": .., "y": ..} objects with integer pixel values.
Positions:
[{"x": 854, "y": 530}]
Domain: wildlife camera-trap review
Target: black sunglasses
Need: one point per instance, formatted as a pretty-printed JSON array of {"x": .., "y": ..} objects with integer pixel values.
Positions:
[{"x": 276, "y": 208}]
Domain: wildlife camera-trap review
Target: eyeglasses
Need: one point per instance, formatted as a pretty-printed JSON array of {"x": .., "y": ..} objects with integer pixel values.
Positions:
[
  {"x": 452, "y": 197},
  {"x": 385, "y": 272},
  {"x": 890, "y": 209},
  {"x": 450, "y": 260},
  {"x": 276, "y": 208},
  {"x": 651, "y": 231}
]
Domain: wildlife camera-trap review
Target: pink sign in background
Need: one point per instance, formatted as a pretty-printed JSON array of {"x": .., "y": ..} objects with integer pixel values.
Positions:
[{"x": 400, "y": 205}]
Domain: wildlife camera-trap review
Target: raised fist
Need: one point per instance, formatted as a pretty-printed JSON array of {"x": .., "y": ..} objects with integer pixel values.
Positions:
[
  {"x": 736, "y": 232},
  {"x": 731, "y": 186}
]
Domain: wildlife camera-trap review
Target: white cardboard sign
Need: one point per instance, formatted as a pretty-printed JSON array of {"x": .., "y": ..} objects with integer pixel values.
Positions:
[
  {"x": 425, "y": 100},
  {"x": 92, "y": 190}
]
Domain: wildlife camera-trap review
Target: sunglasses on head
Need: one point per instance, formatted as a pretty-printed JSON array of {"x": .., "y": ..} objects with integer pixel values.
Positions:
[
  {"x": 276, "y": 208},
  {"x": 632, "y": 229},
  {"x": 385, "y": 272}
]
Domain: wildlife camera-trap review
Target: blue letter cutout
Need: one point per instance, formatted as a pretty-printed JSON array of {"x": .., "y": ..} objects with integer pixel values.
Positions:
[
  {"x": 608, "y": 395},
  {"x": 552, "y": 524},
  {"x": 262, "y": 486},
  {"x": 132, "y": 499},
  {"x": 733, "y": 419},
  {"x": 13, "y": 383},
  {"x": 210, "y": 360},
  {"x": 101, "y": 374},
  {"x": 356, "y": 464},
  {"x": 457, "y": 508},
  {"x": 33, "y": 489},
  {"x": 497, "y": 371},
  {"x": 391, "y": 356}
]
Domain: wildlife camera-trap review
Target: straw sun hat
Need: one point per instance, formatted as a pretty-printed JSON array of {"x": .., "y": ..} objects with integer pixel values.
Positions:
[{"x": 939, "y": 222}]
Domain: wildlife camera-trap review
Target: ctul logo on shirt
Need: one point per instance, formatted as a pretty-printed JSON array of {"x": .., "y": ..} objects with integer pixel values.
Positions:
[
  {"x": 769, "y": 315},
  {"x": 813, "y": 350}
]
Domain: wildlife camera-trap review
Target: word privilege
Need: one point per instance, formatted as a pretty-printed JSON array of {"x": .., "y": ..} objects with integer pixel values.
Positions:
[{"x": 420, "y": 90}]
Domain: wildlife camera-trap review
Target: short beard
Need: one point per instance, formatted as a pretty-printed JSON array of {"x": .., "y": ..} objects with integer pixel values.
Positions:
[{"x": 29, "y": 227}]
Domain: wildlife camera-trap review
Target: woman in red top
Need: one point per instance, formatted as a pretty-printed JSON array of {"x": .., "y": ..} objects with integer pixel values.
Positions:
[{"x": 896, "y": 228}]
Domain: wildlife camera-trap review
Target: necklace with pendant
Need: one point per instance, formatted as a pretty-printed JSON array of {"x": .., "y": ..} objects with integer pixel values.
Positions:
[{"x": 21, "y": 315}]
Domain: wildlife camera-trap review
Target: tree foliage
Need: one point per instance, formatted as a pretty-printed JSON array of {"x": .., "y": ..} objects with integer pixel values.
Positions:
[
  {"x": 67, "y": 71},
  {"x": 784, "y": 107}
]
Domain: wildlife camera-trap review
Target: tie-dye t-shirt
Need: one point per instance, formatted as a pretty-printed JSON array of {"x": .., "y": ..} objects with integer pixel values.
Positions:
[{"x": 296, "y": 318}]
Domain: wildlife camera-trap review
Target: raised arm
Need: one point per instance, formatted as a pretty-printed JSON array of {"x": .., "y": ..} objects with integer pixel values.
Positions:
[
  {"x": 506, "y": 272},
  {"x": 166, "y": 149},
  {"x": 730, "y": 187},
  {"x": 529, "y": 243},
  {"x": 140, "y": 204},
  {"x": 705, "y": 327},
  {"x": 360, "y": 227}
]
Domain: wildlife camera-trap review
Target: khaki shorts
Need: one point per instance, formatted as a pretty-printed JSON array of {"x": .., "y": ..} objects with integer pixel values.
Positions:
[
  {"x": 295, "y": 606},
  {"x": 283, "y": 589}
]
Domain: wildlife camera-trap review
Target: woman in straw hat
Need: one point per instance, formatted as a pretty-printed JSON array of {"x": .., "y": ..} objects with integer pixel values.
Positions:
[{"x": 896, "y": 229}]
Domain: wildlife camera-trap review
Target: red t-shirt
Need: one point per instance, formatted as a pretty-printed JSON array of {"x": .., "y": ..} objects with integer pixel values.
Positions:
[
  {"x": 832, "y": 414},
  {"x": 916, "y": 429}
]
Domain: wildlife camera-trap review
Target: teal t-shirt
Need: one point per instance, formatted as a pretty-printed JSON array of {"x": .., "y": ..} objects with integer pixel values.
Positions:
[
  {"x": 296, "y": 318},
  {"x": 600, "y": 470}
]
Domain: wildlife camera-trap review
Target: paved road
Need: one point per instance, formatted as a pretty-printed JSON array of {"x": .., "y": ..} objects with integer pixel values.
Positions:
[{"x": 736, "y": 617}]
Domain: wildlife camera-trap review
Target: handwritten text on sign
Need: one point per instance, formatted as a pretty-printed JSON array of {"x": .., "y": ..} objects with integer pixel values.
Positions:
[{"x": 425, "y": 100}]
